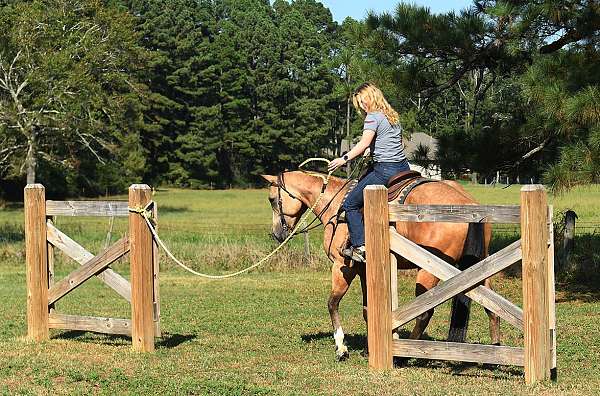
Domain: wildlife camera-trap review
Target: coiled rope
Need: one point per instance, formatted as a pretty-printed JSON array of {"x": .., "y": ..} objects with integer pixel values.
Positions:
[{"x": 146, "y": 213}]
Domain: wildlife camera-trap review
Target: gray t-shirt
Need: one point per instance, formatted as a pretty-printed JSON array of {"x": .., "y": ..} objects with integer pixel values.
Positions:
[{"x": 387, "y": 144}]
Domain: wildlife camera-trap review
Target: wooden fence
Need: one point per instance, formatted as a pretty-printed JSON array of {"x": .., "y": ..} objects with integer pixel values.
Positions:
[
  {"x": 535, "y": 248},
  {"x": 44, "y": 291}
]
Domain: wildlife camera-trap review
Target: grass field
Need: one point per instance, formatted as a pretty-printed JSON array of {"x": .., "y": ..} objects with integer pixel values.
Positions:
[{"x": 267, "y": 332}]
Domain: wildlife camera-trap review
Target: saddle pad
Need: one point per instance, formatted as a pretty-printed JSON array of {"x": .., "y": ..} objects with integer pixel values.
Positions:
[
  {"x": 401, "y": 190},
  {"x": 401, "y": 176}
]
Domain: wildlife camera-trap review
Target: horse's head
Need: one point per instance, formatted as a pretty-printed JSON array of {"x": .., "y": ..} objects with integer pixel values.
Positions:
[{"x": 286, "y": 205}]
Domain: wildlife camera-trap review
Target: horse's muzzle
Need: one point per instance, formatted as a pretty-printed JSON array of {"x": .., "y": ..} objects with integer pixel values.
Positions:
[{"x": 279, "y": 235}]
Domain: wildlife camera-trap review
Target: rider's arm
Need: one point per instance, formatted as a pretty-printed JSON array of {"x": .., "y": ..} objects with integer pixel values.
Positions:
[
  {"x": 362, "y": 145},
  {"x": 357, "y": 150}
]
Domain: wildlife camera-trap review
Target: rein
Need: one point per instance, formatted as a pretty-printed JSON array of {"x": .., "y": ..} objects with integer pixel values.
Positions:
[{"x": 147, "y": 214}]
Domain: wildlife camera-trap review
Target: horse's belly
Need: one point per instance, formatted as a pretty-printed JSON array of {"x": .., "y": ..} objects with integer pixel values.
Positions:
[{"x": 404, "y": 264}]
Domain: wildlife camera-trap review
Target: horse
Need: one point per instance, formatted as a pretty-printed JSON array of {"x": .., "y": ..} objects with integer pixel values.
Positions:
[{"x": 292, "y": 193}]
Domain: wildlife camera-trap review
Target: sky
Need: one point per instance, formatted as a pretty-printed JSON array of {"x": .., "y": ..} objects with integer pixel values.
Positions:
[{"x": 357, "y": 9}]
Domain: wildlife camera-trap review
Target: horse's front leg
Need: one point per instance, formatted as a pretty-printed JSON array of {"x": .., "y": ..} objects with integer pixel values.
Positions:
[{"x": 342, "y": 275}]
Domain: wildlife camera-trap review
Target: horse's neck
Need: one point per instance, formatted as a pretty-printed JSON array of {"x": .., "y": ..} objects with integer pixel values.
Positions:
[{"x": 329, "y": 202}]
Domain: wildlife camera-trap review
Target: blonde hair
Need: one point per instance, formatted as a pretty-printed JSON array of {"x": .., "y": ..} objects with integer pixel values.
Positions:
[{"x": 377, "y": 101}]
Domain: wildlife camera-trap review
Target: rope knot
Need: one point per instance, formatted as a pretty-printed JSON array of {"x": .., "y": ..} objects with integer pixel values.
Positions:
[{"x": 144, "y": 211}]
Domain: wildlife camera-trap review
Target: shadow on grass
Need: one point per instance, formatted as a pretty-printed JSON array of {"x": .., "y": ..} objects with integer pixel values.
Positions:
[
  {"x": 172, "y": 209},
  {"x": 354, "y": 342},
  {"x": 578, "y": 277},
  {"x": 588, "y": 291},
  {"x": 167, "y": 340},
  {"x": 358, "y": 342},
  {"x": 12, "y": 233}
]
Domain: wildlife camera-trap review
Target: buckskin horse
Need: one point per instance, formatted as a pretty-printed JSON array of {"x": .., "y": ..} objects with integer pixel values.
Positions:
[{"x": 291, "y": 193}]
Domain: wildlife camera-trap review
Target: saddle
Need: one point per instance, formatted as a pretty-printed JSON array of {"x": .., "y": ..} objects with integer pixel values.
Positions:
[{"x": 401, "y": 184}]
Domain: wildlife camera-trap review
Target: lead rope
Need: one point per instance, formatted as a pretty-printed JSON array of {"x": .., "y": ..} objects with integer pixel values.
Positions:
[{"x": 146, "y": 213}]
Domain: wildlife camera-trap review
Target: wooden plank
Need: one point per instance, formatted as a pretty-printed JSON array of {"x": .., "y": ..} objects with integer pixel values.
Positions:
[
  {"x": 379, "y": 312},
  {"x": 36, "y": 257},
  {"x": 444, "y": 271},
  {"x": 458, "y": 351},
  {"x": 455, "y": 213},
  {"x": 534, "y": 235},
  {"x": 90, "y": 323},
  {"x": 87, "y": 208},
  {"x": 89, "y": 269},
  {"x": 457, "y": 284},
  {"x": 75, "y": 251},
  {"x": 142, "y": 272},
  {"x": 551, "y": 289}
]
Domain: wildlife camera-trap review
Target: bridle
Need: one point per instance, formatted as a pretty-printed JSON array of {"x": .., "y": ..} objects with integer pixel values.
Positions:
[{"x": 281, "y": 186}]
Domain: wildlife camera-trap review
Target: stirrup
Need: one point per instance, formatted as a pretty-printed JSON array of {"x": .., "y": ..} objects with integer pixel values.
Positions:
[{"x": 354, "y": 254}]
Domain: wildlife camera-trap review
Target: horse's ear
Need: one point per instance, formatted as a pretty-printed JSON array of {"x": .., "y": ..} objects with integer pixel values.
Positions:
[{"x": 271, "y": 179}]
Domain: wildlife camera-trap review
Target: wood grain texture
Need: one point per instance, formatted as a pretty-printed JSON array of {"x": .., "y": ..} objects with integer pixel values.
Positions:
[
  {"x": 75, "y": 251},
  {"x": 444, "y": 271},
  {"x": 463, "y": 352},
  {"x": 455, "y": 213},
  {"x": 36, "y": 256},
  {"x": 463, "y": 281},
  {"x": 142, "y": 272},
  {"x": 89, "y": 269},
  {"x": 90, "y": 323},
  {"x": 534, "y": 237},
  {"x": 87, "y": 208},
  {"x": 379, "y": 312}
]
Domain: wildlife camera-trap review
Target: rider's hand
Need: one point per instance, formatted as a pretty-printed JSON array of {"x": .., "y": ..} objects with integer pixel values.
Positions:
[{"x": 336, "y": 163}]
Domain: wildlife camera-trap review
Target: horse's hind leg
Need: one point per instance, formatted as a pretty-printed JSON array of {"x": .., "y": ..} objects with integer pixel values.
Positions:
[
  {"x": 424, "y": 282},
  {"x": 494, "y": 319},
  {"x": 341, "y": 278}
]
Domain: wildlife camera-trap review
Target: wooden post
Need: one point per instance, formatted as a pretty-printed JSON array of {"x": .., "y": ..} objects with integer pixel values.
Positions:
[
  {"x": 142, "y": 315},
  {"x": 569, "y": 239},
  {"x": 37, "y": 262},
  {"x": 534, "y": 238},
  {"x": 379, "y": 310}
]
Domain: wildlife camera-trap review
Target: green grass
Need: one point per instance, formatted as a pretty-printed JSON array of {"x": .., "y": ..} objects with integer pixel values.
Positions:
[{"x": 267, "y": 332}]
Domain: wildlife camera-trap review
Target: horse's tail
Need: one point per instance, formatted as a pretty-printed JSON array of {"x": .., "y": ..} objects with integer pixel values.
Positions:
[{"x": 473, "y": 251}]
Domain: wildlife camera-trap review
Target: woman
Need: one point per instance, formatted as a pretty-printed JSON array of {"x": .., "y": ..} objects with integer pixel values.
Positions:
[{"x": 382, "y": 134}]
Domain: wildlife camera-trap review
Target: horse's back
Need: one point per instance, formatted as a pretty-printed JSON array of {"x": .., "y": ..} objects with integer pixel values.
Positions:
[{"x": 446, "y": 240}]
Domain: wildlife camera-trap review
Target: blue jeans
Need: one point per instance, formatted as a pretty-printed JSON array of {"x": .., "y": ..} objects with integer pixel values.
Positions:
[{"x": 379, "y": 174}]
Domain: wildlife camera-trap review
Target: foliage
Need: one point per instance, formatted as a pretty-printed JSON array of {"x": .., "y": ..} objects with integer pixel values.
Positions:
[
  {"x": 69, "y": 107},
  {"x": 212, "y": 93}
]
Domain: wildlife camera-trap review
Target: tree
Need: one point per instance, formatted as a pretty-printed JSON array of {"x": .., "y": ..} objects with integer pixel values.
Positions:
[
  {"x": 502, "y": 75},
  {"x": 67, "y": 98}
]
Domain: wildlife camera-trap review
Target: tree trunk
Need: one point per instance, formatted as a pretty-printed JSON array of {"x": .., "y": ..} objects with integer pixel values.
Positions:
[
  {"x": 348, "y": 133},
  {"x": 31, "y": 160}
]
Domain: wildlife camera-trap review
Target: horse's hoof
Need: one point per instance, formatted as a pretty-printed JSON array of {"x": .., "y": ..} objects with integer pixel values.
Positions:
[{"x": 342, "y": 354}]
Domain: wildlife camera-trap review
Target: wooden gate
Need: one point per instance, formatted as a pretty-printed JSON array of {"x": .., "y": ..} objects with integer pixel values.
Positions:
[
  {"x": 44, "y": 291},
  {"x": 535, "y": 248}
]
